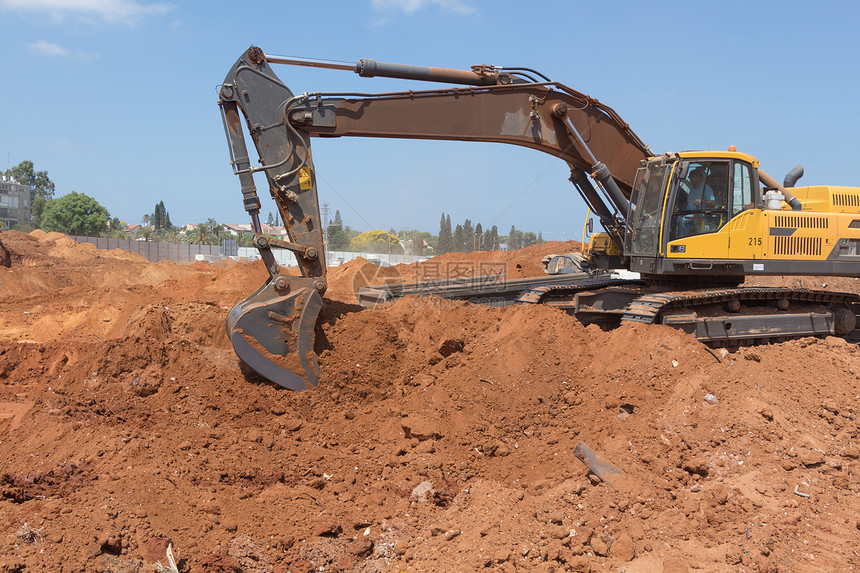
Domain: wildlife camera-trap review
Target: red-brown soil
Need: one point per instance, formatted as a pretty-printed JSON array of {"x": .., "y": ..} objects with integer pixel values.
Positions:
[{"x": 441, "y": 437}]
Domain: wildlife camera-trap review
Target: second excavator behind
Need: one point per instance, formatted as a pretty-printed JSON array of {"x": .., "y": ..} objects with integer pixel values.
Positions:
[{"x": 693, "y": 224}]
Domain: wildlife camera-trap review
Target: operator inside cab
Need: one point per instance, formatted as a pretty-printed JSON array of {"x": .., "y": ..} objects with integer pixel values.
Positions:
[{"x": 702, "y": 200}]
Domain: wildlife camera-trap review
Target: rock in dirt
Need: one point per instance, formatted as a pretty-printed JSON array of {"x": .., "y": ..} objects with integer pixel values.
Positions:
[
  {"x": 601, "y": 543},
  {"x": 810, "y": 458},
  {"x": 155, "y": 549},
  {"x": 423, "y": 491},
  {"x": 361, "y": 547},
  {"x": 327, "y": 526},
  {"x": 623, "y": 548}
]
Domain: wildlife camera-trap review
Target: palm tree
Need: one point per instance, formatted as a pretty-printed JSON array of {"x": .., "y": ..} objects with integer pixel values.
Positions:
[
  {"x": 117, "y": 233},
  {"x": 216, "y": 230},
  {"x": 171, "y": 235},
  {"x": 200, "y": 235}
]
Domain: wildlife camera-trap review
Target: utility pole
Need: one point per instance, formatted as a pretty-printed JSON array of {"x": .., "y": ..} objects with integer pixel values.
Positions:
[{"x": 325, "y": 210}]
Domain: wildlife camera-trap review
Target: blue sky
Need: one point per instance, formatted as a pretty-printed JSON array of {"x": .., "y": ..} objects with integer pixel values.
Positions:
[{"x": 117, "y": 98}]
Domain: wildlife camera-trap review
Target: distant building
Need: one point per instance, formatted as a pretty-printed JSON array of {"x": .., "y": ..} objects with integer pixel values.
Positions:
[
  {"x": 248, "y": 230},
  {"x": 239, "y": 229},
  {"x": 14, "y": 203}
]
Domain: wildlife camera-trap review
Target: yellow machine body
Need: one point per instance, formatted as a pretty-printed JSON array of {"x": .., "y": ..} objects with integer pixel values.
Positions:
[{"x": 744, "y": 230}]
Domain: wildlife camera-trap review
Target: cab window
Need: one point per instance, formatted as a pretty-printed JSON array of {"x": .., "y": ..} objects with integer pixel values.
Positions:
[
  {"x": 742, "y": 194},
  {"x": 646, "y": 209},
  {"x": 701, "y": 199}
]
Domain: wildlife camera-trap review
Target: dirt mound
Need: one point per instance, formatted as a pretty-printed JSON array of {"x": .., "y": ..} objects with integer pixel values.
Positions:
[
  {"x": 515, "y": 264},
  {"x": 62, "y": 247},
  {"x": 17, "y": 245},
  {"x": 345, "y": 280},
  {"x": 443, "y": 436}
]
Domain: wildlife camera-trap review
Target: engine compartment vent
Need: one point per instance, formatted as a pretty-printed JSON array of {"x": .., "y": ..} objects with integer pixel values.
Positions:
[
  {"x": 794, "y": 246},
  {"x": 794, "y": 222},
  {"x": 846, "y": 200}
]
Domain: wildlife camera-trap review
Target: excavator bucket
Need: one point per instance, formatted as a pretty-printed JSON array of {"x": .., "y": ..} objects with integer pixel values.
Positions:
[{"x": 272, "y": 331}]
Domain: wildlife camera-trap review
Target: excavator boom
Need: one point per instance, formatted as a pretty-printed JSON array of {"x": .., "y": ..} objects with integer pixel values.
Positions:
[{"x": 273, "y": 329}]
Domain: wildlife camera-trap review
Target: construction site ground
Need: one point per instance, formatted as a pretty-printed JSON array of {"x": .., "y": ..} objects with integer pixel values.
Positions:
[{"x": 441, "y": 436}]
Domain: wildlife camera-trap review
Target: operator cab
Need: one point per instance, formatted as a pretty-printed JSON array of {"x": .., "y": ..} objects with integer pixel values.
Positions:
[{"x": 678, "y": 196}]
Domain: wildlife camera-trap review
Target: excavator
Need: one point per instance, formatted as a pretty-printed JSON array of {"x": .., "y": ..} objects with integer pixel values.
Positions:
[{"x": 690, "y": 225}]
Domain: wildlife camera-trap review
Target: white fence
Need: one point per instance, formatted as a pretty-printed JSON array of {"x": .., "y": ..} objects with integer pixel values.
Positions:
[
  {"x": 182, "y": 252},
  {"x": 334, "y": 258},
  {"x": 151, "y": 250}
]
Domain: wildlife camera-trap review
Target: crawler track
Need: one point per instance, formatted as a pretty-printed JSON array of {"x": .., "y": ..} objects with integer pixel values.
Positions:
[
  {"x": 748, "y": 315},
  {"x": 717, "y": 316},
  {"x": 564, "y": 295}
]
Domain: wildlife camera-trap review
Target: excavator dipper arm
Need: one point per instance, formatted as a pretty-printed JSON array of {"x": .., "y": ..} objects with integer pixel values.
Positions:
[
  {"x": 279, "y": 318},
  {"x": 273, "y": 330}
]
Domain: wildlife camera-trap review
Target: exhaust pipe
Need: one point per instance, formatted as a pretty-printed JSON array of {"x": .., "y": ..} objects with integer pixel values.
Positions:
[{"x": 792, "y": 176}]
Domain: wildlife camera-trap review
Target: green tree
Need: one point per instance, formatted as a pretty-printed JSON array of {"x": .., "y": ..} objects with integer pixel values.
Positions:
[
  {"x": 529, "y": 238},
  {"x": 75, "y": 214},
  {"x": 515, "y": 239},
  {"x": 157, "y": 219},
  {"x": 116, "y": 229},
  {"x": 446, "y": 238},
  {"x": 171, "y": 235},
  {"x": 245, "y": 239},
  {"x": 337, "y": 237},
  {"x": 490, "y": 240},
  {"x": 479, "y": 238},
  {"x": 468, "y": 237},
  {"x": 459, "y": 239},
  {"x": 41, "y": 187},
  {"x": 160, "y": 218},
  {"x": 167, "y": 224},
  {"x": 200, "y": 235},
  {"x": 216, "y": 230},
  {"x": 270, "y": 220}
]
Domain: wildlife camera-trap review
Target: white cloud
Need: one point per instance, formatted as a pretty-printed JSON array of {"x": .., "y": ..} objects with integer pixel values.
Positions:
[
  {"x": 44, "y": 48},
  {"x": 61, "y": 145},
  {"x": 110, "y": 11},
  {"x": 412, "y": 6}
]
